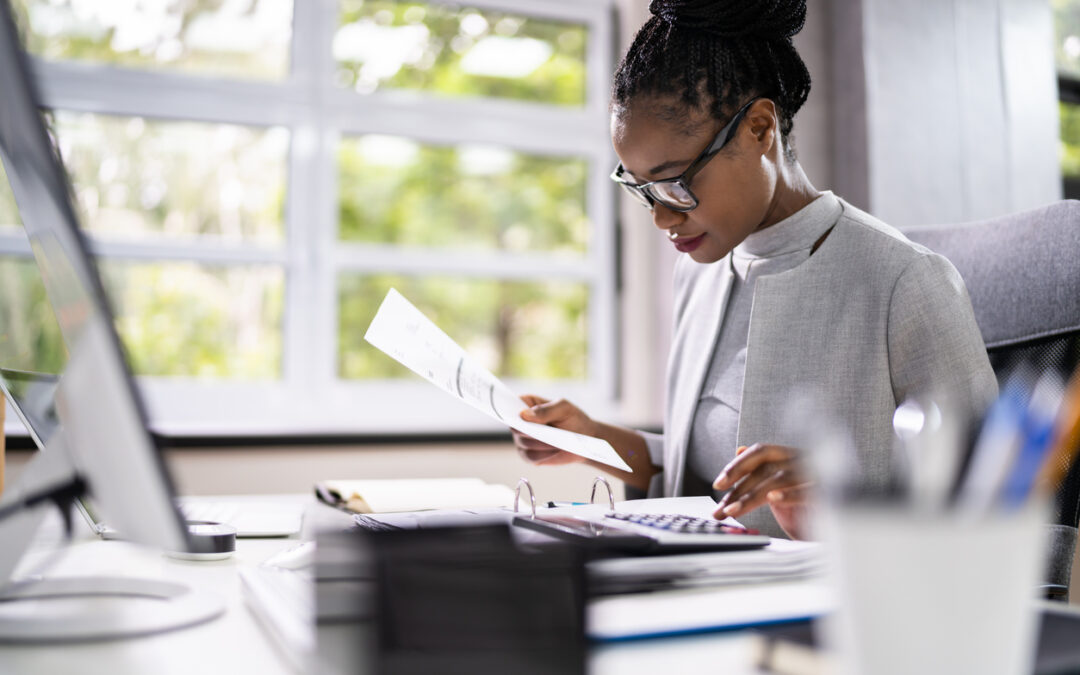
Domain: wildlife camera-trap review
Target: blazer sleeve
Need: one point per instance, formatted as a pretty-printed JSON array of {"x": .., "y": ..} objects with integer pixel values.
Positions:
[{"x": 935, "y": 347}]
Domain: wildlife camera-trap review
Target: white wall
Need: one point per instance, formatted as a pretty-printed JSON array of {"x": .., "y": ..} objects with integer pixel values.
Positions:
[{"x": 947, "y": 111}]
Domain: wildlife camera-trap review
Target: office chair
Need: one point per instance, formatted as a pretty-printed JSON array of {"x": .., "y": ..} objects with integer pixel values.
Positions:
[{"x": 1022, "y": 272}]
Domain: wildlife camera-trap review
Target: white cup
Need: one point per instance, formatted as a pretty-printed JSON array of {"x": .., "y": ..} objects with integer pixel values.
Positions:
[{"x": 934, "y": 592}]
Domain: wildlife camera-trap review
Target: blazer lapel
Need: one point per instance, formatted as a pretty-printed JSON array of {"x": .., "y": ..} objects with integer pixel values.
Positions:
[{"x": 691, "y": 353}]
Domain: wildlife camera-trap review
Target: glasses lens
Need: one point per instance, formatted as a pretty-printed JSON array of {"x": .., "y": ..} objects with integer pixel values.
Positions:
[
  {"x": 673, "y": 194},
  {"x": 637, "y": 194}
]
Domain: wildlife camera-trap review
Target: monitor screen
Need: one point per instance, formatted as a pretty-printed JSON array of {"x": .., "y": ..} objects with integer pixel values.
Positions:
[
  {"x": 101, "y": 422},
  {"x": 32, "y": 351}
]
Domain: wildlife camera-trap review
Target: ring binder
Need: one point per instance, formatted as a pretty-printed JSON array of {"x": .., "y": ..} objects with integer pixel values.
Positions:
[
  {"x": 592, "y": 497},
  {"x": 631, "y": 531},
  {"x": 610, "y": 497},
  {"x": 532, "y": 495}
]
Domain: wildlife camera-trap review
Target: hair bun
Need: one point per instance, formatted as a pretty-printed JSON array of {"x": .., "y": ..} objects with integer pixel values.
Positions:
[{"x": 768, "y": 19}]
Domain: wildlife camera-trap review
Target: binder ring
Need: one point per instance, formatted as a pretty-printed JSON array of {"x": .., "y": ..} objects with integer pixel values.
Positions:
[
  {"x": 610, "y": 496},
  {"x": 532, "y": 497}
]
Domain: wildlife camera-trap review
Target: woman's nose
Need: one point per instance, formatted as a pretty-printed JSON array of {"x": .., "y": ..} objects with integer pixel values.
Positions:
[{"x": 664, "y": 218}]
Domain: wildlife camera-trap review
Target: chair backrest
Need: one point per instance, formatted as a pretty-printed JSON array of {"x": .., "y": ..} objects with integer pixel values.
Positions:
[{"x": 1022, "y": 272}]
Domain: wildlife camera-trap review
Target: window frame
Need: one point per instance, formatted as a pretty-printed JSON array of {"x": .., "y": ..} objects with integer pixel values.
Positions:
[{"x": 309, "y": 398}]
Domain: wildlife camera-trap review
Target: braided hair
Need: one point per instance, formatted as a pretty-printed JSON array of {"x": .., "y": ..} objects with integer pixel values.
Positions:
[{"x": 718, "y": 54}]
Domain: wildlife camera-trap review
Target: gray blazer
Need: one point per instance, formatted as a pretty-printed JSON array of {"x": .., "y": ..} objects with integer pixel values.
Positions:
[{"x": 867, "y": 321}]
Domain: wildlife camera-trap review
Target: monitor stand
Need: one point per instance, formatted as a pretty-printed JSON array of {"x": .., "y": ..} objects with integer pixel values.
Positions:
[
  {"x": 67, "y": 609},
  {"x": 80, "y": 609}
]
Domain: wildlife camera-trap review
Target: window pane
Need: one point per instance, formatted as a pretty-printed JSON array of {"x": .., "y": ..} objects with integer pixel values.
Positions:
[
  {"x": 397, "y": 191},
  {"x": 1067, "y": 36},
  {"x": 135, "y": 176},
  {"x": 529, "y": 330},
  {"x": 458, "y": 51},
  {"x": 29, "y": 335},
  {"x": 188, "y": 320},
  {"x": 232, "y": 38}
]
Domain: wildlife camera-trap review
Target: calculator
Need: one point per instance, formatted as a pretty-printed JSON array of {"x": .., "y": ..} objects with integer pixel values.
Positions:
[{"x": 645, "y": 533}]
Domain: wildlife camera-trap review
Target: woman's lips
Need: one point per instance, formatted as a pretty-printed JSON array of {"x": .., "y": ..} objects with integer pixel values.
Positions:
[{"x": 687, "y": 245}]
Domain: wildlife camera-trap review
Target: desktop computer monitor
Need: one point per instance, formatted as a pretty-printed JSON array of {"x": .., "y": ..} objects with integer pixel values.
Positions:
[{"x": 85, "y": 398}]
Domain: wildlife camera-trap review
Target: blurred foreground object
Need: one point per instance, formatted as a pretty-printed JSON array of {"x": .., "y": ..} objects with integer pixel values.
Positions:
[
  {"x": 1021, "y": 273},
  {"x": 959, "y": 591},
  {"x": 468, "y": 600}
]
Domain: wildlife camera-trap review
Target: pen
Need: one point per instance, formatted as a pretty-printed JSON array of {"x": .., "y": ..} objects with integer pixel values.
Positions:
[
  {"x": 1066, "y": 440},
  {"x": 552, "y": 505},
  {"x": 1036, "y": 431},
  {"x": 994, "y": 451}
]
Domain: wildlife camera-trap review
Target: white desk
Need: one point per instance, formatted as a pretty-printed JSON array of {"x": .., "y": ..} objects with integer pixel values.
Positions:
[{"x": 235, "y": 644}]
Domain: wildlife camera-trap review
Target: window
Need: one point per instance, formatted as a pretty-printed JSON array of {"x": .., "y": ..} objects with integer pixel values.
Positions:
[
  {"x": 1067, "y": 57},
  {"x": 256, "y": 174}
]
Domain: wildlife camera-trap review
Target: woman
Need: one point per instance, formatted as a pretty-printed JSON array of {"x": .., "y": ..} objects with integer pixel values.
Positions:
[{"x": 780, "y": 286}]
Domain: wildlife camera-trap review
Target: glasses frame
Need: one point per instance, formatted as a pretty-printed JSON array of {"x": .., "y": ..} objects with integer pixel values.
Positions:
[{"x": 645, "y": 192}]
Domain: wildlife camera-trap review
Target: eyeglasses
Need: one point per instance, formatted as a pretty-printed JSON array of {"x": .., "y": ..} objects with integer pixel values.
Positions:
[{"x": 675, "y": 193}]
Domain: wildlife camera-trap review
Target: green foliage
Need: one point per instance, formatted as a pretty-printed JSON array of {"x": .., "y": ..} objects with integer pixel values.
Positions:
[
  {"x": 1070, "y": 140},
  {"x": 181, "y": 179},
  {"x": 516, "y": 329},
  {"x": 436, "y": 66},
  {"x": 536, "y": 203},
  {"x": 186, "y": 36},
  {"x": 186, "y": 320}
]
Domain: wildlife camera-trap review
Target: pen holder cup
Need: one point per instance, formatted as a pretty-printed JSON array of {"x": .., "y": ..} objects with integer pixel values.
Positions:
[{"x": 935, "y": 592}]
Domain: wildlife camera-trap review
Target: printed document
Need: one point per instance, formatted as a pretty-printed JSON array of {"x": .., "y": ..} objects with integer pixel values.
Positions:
[{"x": 403, "y": 332}]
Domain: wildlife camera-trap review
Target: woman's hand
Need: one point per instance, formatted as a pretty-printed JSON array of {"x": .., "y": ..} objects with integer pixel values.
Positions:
[
  {"x": 561, "y": 414},
  {"x": 766, "y": 474}
]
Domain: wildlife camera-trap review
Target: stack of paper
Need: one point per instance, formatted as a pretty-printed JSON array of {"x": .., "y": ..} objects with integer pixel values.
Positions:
[{"x": 781, "y": 560}]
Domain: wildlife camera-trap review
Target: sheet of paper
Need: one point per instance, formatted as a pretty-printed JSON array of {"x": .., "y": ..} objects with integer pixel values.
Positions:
[{"x": 403, "y": 332}]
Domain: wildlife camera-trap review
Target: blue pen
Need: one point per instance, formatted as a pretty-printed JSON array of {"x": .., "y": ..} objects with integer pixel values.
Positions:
[
  {"x": 1037, "y": 432},
  {"x": 552, "y": 505},
  {"x": 995, "y": 450}
]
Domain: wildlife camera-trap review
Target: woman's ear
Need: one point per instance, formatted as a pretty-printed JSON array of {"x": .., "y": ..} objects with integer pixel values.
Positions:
[{"x": 762, "y": 121}]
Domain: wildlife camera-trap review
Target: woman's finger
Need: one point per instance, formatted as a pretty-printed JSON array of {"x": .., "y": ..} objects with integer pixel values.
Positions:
[
  {"x": 756, "y": 495},
  {"x": 791, "y": 496},
  {"x": 532, "y": 399},
  {"x": 748, "y": 461},
  {"x": 749, "y": 482}
]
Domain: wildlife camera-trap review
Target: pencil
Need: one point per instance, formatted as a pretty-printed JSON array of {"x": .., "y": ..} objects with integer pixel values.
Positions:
[{"x": 1065, "y": 441}]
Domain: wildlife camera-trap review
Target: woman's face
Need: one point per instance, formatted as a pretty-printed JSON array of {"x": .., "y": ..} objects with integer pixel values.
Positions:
[{"x": 658, "y": 138}]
